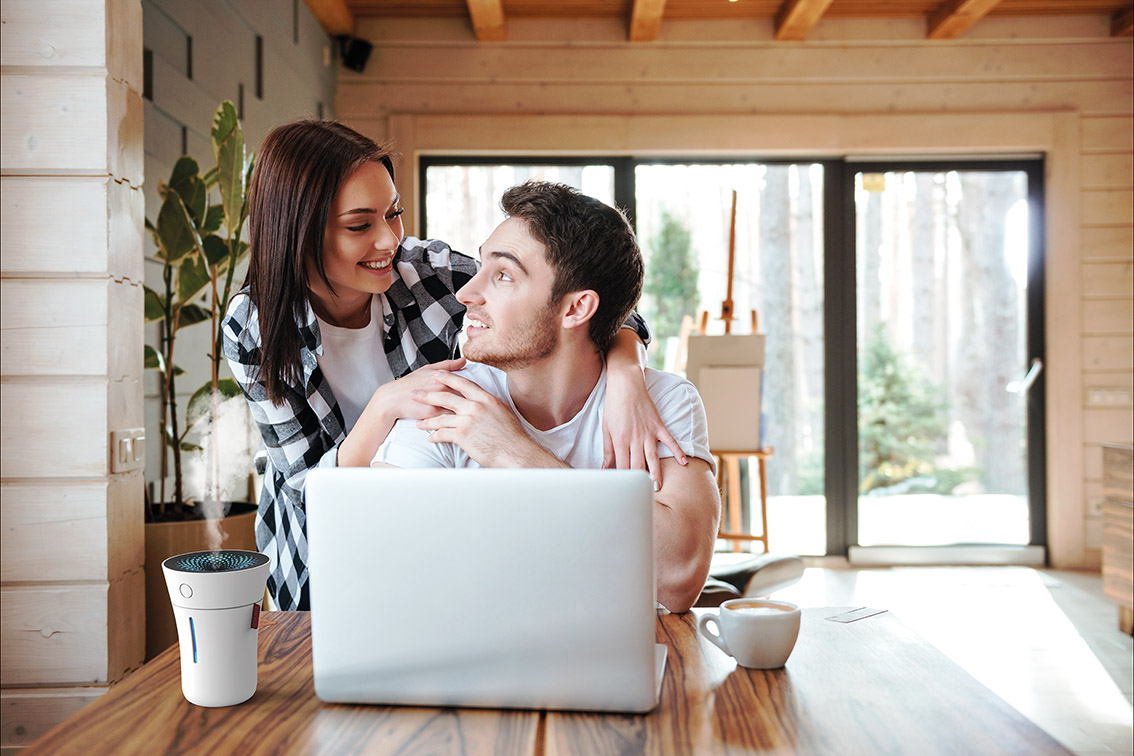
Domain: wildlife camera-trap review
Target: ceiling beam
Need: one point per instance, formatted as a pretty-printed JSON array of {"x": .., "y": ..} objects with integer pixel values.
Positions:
[
  {"x": 333, "y": 15},
  {"x": 488, "y": 19},
  {"x": 796, "y": 18},
  {"x": 954, "y": 17},
  {"x": 1122, "y": 23},
  {"x": 645, "y": 20}
]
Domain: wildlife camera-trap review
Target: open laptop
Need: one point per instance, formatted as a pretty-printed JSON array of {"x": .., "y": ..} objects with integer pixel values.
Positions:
[{"x": 526, "y": 589}]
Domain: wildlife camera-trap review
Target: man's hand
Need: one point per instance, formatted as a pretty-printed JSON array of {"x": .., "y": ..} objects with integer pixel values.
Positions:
[{"x": 481, "y": 424}]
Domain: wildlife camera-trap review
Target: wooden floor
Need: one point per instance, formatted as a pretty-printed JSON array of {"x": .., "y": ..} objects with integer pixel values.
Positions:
[{"x": 1045, "y": 641}]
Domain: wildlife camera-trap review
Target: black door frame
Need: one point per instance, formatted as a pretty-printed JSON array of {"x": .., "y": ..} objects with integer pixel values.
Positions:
[{"x": 842, "y": 383}]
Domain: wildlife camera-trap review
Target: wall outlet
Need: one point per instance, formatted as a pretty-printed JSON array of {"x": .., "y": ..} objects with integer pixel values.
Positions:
[{"x": 127, "y": 450}]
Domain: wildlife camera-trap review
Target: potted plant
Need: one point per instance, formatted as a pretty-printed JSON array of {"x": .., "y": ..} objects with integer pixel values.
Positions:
[{"x": 199, "y": 247}]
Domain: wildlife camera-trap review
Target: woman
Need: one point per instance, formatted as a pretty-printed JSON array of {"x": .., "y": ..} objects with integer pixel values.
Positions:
[{"x": 331, "y": 278}]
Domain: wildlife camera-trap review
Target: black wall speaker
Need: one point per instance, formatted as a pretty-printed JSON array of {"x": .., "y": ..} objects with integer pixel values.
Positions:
[{"x": 354, "y": 52}]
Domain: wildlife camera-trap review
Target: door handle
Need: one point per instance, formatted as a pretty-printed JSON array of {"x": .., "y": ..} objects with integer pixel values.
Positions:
[{"x": 1022, "y": 386}]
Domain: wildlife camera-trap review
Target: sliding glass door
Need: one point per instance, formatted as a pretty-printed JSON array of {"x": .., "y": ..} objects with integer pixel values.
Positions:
[{"x": 949, "y": 355}]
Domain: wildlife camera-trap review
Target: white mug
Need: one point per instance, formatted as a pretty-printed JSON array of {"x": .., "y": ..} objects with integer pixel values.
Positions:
[{"x": 758, "y": 633}]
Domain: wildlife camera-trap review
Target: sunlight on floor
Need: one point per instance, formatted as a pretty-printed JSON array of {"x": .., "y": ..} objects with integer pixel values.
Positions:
[{"x": 1003, "y": 626}]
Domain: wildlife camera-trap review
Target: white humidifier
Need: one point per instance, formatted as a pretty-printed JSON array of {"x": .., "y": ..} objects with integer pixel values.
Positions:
[{"x": 216, "y": 601}]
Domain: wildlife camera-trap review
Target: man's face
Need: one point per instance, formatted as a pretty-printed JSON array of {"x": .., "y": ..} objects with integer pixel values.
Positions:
[{"x": 510, "y": 324}]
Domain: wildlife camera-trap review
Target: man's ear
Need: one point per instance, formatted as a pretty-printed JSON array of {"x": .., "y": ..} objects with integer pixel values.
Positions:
[{"x": 578, "y": 308}]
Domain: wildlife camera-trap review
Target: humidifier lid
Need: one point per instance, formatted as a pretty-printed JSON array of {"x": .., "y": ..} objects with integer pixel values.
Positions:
[{"x": 216, "y": 561}]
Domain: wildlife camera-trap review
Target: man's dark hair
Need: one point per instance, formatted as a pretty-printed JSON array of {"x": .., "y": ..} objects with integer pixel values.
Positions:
[{"x": 590, "y": 245}]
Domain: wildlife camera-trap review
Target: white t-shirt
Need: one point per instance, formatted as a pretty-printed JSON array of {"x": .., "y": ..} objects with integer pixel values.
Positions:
[
  {"x": 354, "y": 362},
  {"x": 578, "y": 442}
]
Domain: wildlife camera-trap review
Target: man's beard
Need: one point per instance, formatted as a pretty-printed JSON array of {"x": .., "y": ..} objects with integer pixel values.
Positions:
[{"x": 533, "y": 342}]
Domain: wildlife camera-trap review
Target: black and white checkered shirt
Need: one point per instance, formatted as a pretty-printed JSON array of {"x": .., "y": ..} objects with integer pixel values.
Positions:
[{"x": 421, "y": 321}]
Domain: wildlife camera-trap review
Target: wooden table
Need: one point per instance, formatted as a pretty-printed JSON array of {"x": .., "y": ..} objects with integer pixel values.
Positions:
[{"x": 867, "y": 687}]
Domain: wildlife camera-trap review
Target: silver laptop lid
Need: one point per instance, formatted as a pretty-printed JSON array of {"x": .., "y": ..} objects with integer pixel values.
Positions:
[{"x": 496, "y": 588}]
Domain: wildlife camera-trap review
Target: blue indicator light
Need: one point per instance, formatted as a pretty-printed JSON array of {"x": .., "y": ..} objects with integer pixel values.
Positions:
[{"x": 193, "y": 635}]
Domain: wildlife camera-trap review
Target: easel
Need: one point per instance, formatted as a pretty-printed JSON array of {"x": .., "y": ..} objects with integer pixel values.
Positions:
[{"x": 728, "y": 468}]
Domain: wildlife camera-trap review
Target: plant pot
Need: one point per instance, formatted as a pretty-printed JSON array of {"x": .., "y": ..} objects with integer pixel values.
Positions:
[{"x": 166, "y": 539}]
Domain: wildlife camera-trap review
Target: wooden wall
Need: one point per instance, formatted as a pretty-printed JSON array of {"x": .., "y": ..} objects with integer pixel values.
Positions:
[
  {"x": 71, "y": 582},
  {"x": 204, "y": 52},
  {"x": 1061, "y": 86}
]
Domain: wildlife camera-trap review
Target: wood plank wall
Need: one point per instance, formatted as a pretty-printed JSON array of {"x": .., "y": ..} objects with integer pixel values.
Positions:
[
  {"x": 1061, "y": 85},
  {"x": 70, "y": 270},
  {"x": 204, "y": 52}
]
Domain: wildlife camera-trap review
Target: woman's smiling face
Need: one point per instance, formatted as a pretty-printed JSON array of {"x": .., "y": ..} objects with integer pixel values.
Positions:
[{"x": 364, "y": 229}]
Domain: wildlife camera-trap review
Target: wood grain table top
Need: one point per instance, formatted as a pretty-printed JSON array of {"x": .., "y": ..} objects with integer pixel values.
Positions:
[{"x": 866, "y": 687}]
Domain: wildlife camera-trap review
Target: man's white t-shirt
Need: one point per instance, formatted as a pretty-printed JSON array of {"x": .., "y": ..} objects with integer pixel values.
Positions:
[
  {"x": 578, "y": 442},
  {"x": 354, "y": 362}
]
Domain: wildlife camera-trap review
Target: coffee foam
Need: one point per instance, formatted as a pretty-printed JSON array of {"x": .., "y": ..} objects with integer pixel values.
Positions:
[{"x": 758, "y": 608}]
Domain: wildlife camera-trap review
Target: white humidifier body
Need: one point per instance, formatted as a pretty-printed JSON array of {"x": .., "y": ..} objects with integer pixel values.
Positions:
[{"x": 216, "y": 599}]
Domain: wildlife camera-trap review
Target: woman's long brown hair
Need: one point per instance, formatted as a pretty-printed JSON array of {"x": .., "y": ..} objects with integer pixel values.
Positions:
[{"x": 299, "y": 170}]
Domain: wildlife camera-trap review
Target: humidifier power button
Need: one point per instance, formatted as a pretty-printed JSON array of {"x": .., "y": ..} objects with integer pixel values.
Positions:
[{"x": 186, "y": 591}]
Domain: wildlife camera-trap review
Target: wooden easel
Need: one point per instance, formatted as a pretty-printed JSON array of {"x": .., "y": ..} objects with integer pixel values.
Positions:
[{"x": 728, "y": 467}]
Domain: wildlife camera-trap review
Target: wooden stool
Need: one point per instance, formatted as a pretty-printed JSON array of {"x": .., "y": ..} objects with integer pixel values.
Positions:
[{"x": 728, "y": 480}]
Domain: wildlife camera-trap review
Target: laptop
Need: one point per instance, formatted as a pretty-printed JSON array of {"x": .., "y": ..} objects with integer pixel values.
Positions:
[{"x": 531, "y": 589}]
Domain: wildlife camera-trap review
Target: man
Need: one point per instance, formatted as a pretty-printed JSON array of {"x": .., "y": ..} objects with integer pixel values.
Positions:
[{"x": 558, "y": 278}]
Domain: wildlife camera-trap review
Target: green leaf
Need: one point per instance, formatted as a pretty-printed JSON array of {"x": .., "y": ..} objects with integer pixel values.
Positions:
[
  {"x": 228, "y": 148},
  {"x": 229, "y": 388},
  {"x": 185, "y": 168},
  {"x": 198, "y": 404},
  {"x": 187, "y": 182},
  {"x": 178, "y": 371},
  {"x": 175, "y": 235},
  {"x": 188, "y": 447},
  {"x": 154, "y": 360},
  {"x": 213, "y": 219},
  {"x": 154, "y": 305},
  {"x": 152, "y": 229},
  {"x": 169, "y": 439},
  {"x": 224, "y": 121},
  {"x": 210, "y": 177},
  {"x": 192, "y": 277},
  {"x": 216, "y": 250},
  {"x": 249, "y": 165},
  {"x": 191, "y": 314}
]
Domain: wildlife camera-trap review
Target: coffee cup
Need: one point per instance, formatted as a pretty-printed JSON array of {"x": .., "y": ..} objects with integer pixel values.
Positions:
[{"x": 758, "y": 633}]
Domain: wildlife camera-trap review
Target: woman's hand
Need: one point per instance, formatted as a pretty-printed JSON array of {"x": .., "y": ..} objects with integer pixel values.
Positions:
[
  {"x": 389, "y": 403},
  {"x": 631, "y": 426},
  {"x": 395, "y": 396}
]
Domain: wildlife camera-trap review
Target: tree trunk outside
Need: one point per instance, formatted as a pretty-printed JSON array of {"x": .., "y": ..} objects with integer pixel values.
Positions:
[{"x": 779, "y": 376}]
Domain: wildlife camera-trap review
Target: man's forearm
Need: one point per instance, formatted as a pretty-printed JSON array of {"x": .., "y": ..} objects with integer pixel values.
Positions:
[
  {"x": 686, "y": 515},
  {"x": 520, "y": 454}
]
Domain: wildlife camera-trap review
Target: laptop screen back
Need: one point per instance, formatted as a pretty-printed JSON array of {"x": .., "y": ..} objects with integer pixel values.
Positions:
[{"x": 497, "y": 588}]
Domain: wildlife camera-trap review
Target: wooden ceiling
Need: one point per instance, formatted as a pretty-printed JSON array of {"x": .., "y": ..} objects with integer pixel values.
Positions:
[{"x": 793, "y": 19}]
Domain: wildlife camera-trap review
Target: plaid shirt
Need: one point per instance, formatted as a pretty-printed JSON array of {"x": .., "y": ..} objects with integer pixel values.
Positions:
[{"x": 421, "y": 321}]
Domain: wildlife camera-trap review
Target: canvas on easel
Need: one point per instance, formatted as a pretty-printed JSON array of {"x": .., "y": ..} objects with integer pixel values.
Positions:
[{"x": 727, "y": 371}]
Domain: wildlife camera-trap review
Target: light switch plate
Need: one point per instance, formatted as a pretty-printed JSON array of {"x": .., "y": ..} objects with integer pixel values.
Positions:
[{"x": 127, "y": 450}]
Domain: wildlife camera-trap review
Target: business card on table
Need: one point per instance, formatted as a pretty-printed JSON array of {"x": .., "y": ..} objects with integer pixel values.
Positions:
[{"x": 856, "y": 614}]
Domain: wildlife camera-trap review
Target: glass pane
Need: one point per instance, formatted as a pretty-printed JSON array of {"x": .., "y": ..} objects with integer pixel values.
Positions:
[
  {"x": 683, "y": 216},
  {"x": 941, "y": 289},
  {"x": 463, "y": 201}
]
